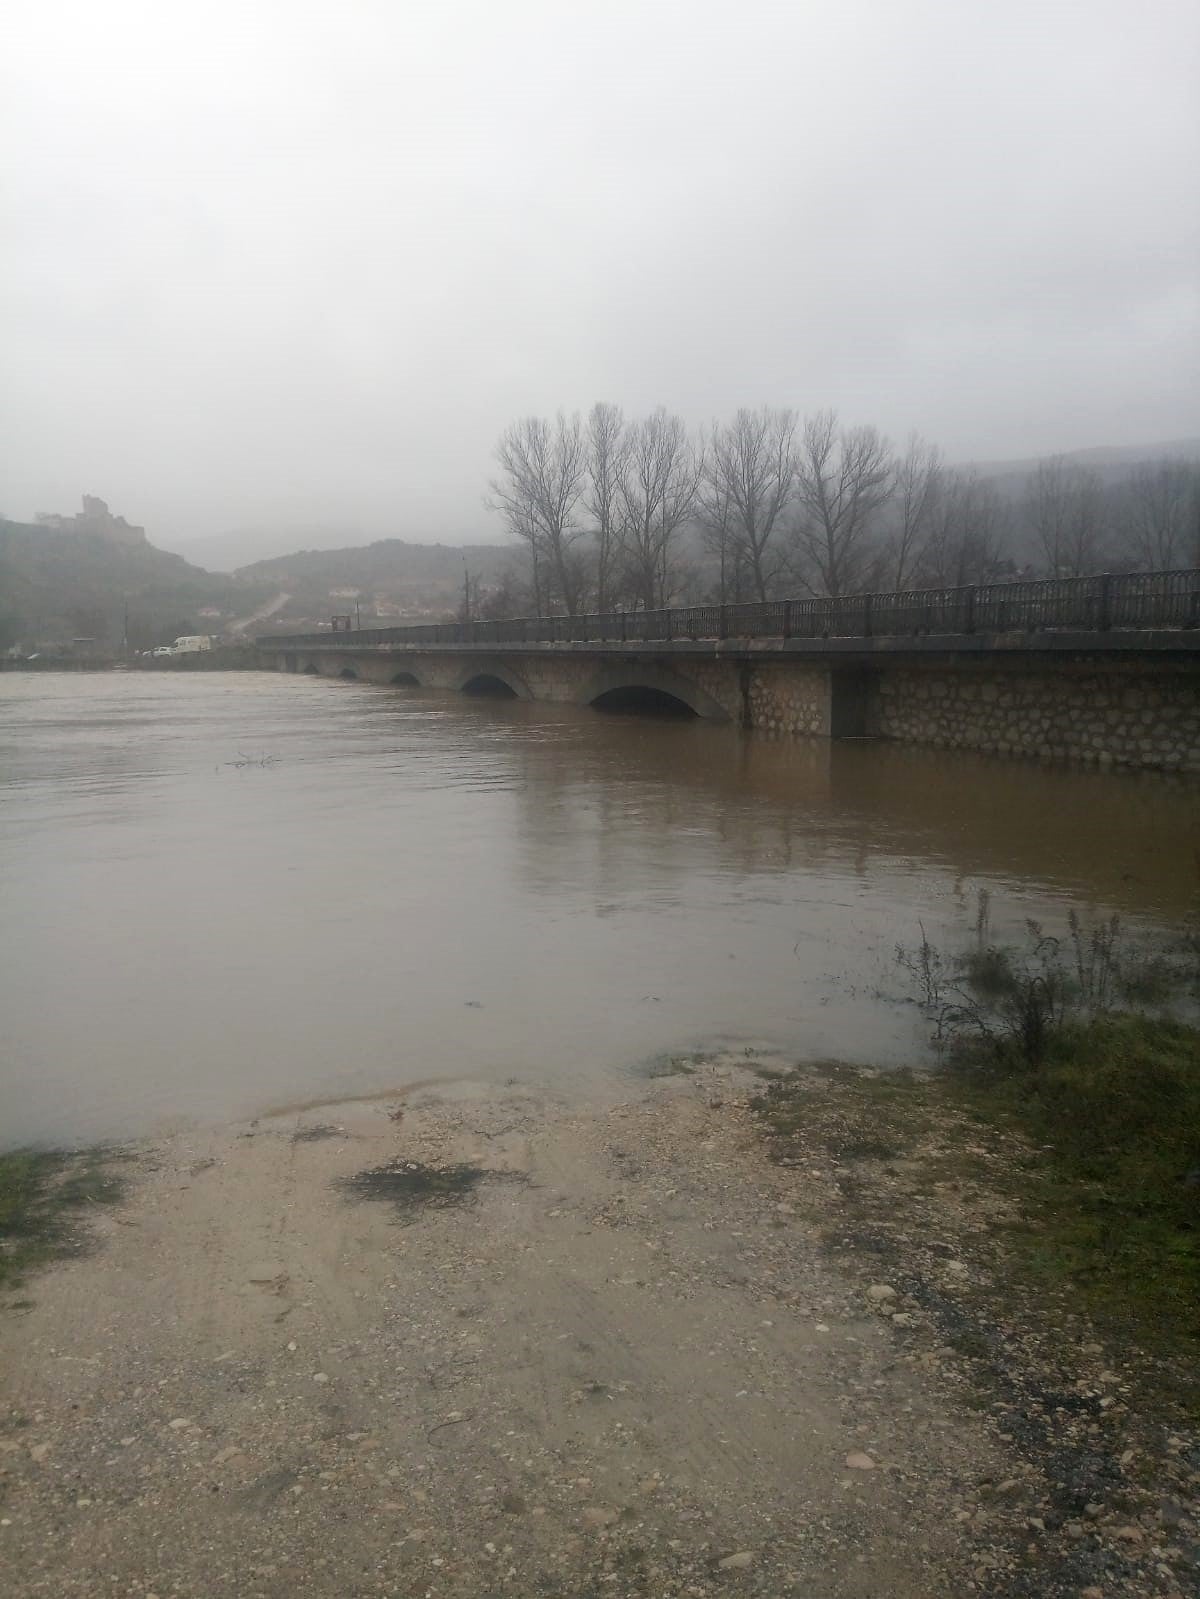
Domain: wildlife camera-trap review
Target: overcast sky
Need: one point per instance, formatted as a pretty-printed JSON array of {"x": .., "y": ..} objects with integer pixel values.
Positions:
[{"x": 270, "y": 261}]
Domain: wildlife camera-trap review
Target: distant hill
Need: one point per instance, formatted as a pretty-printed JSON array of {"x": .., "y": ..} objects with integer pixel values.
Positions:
[
  {"x": 245, "y": 546},
  {"x": 1112, "y": 462},
  {"x": 388, "y": 580},
  {"x": 59, "y": 582},
  {"x": 242, "y": 546}
]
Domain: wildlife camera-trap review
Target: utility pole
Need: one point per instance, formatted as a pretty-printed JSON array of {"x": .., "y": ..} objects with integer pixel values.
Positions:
[
  {"x": 466, "y": 592},
  {"x": 357, "y": 618}
]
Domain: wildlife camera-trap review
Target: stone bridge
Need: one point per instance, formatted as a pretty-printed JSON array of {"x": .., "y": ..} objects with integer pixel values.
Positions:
[{"x": 1043, "y": 683}]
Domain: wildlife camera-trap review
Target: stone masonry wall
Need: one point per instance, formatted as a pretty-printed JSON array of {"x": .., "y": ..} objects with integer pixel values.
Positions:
[
  {"x": 1129, "y": 713},
  {"x": 789, "y": 699},
  {"x": 1133, "y": 717}
]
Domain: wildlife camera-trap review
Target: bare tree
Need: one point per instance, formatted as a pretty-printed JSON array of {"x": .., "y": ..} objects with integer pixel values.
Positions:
[
  {"x": 543, "y": 468},
  {"x": 606, "y": 447},
  {"x": 968, "y": 527},
  {"x": 750, "y": 473},
  {"x": 659, "y": 479},
  {"x": 1064, "y": 505},
  {"x": 843, "y": 477},
  {"x": 509, "y": 595},
  {"x": 717, "y": 525},
  {"x": 1160, "y": 514},
  {"x": 918, "y": 479}
]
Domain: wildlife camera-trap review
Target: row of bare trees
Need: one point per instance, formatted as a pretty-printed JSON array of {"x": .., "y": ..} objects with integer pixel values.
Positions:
[{"x": 639, "y": 513}]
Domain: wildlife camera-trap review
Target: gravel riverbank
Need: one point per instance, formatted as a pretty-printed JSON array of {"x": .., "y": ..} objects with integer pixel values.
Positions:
[{"x": 473, "y": 1342}]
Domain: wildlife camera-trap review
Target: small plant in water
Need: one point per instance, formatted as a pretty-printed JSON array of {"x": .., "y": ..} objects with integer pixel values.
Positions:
[{"x": 1017, "y": 995}]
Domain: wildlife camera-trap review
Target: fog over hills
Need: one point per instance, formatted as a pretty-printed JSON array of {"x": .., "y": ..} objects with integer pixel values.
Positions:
[
  {"x": 81, "y": 574},
  {"x": 1111, "y": 461},
  {"x": 242, "y": 547}
]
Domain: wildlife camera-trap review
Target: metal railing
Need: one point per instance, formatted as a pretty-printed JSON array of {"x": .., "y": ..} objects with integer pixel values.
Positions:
[{"x": 1098, "y": 604}]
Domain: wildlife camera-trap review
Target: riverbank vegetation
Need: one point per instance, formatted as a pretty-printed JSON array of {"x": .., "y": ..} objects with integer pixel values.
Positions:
[
  {"x": 1067, "y": 1043},
  {"x": 45, "y": 1197},
  {"x": 1068, "y": 1040}
]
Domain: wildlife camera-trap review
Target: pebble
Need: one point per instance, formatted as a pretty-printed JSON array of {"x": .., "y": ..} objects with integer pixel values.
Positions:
[
  {"x": 179, "y": 1423},
  {"x": 880, "y": 1293},
  {"x": 599, "y": 1516},
  {"x": 857, "y": 1461},
  {"x": 742, "y": 1561},
  {"x": 320, "y": 1376}
]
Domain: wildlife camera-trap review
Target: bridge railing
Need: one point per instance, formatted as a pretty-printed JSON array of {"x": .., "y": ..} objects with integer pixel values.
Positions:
[{"x": 1097, "y": 604}]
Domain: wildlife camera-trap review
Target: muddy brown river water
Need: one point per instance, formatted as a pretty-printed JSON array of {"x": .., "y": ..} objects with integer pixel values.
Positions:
[{"x": 227, "y": 893}]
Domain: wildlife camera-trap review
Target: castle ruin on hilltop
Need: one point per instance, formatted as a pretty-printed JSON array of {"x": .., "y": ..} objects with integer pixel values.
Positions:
[{"x": 95, "y": 519}]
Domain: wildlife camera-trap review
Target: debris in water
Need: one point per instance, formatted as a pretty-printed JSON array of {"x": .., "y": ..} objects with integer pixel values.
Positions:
[
  {"x": 313, "y": 1135},
  {"x": 407, "y": 1184}
]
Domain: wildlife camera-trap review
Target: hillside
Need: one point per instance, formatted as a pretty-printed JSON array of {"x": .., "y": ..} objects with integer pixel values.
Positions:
[
  {"x": 387, "y": 580},
  {"x": 1113, "y": 462},
  {"x": 57, "y": 584}
]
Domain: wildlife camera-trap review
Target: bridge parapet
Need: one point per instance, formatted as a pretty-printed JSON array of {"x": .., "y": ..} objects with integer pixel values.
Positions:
[{"x": 1099, "y": 605}]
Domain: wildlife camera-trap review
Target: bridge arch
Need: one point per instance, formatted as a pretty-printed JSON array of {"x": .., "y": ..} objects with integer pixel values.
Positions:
[
  {"x": 490, "y": 676},
  {"x": 405, "y": 679},
  {"x": 311, "y": 669},
  {"x": 350, "y": 673},
  {"x": 623, "y": 685}
]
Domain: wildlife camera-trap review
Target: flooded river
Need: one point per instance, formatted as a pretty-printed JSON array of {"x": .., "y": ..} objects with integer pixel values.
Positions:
[{"x": 227, "y": 893}]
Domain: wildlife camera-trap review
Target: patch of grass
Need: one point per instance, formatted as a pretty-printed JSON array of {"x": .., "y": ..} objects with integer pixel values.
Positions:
[
  {"x": 874, "y": 1116},
  {"x": 1094, "y": 1153},
  {"x": 865, "y": 1148},
  {"x": 410, "y": 1186},
  {"x": 44, "y": 1198},
  {"x": 1113, "y": 1198}
]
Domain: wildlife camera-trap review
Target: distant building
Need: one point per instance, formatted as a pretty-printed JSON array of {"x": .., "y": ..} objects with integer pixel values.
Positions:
[{"x": 95, "y": 519}]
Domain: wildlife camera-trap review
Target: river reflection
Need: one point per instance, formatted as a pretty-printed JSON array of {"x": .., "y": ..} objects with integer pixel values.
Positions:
[{"x": 225, "y": 892}]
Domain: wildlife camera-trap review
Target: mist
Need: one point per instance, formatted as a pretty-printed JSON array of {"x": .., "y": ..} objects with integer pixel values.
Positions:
[{"x": 299, "y": 265}]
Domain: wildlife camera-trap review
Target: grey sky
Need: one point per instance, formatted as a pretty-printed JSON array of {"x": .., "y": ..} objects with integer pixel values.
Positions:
[{"x": 301, "y": 260}]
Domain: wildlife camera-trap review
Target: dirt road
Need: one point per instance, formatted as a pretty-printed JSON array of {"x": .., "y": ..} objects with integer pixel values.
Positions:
[
  {"x": 620, "y": 1363},
  {"x": 261, "y": 615}
]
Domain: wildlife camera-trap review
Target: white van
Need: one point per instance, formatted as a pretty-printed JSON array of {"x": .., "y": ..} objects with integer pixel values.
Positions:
[{"x": 191, "y": 643}]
